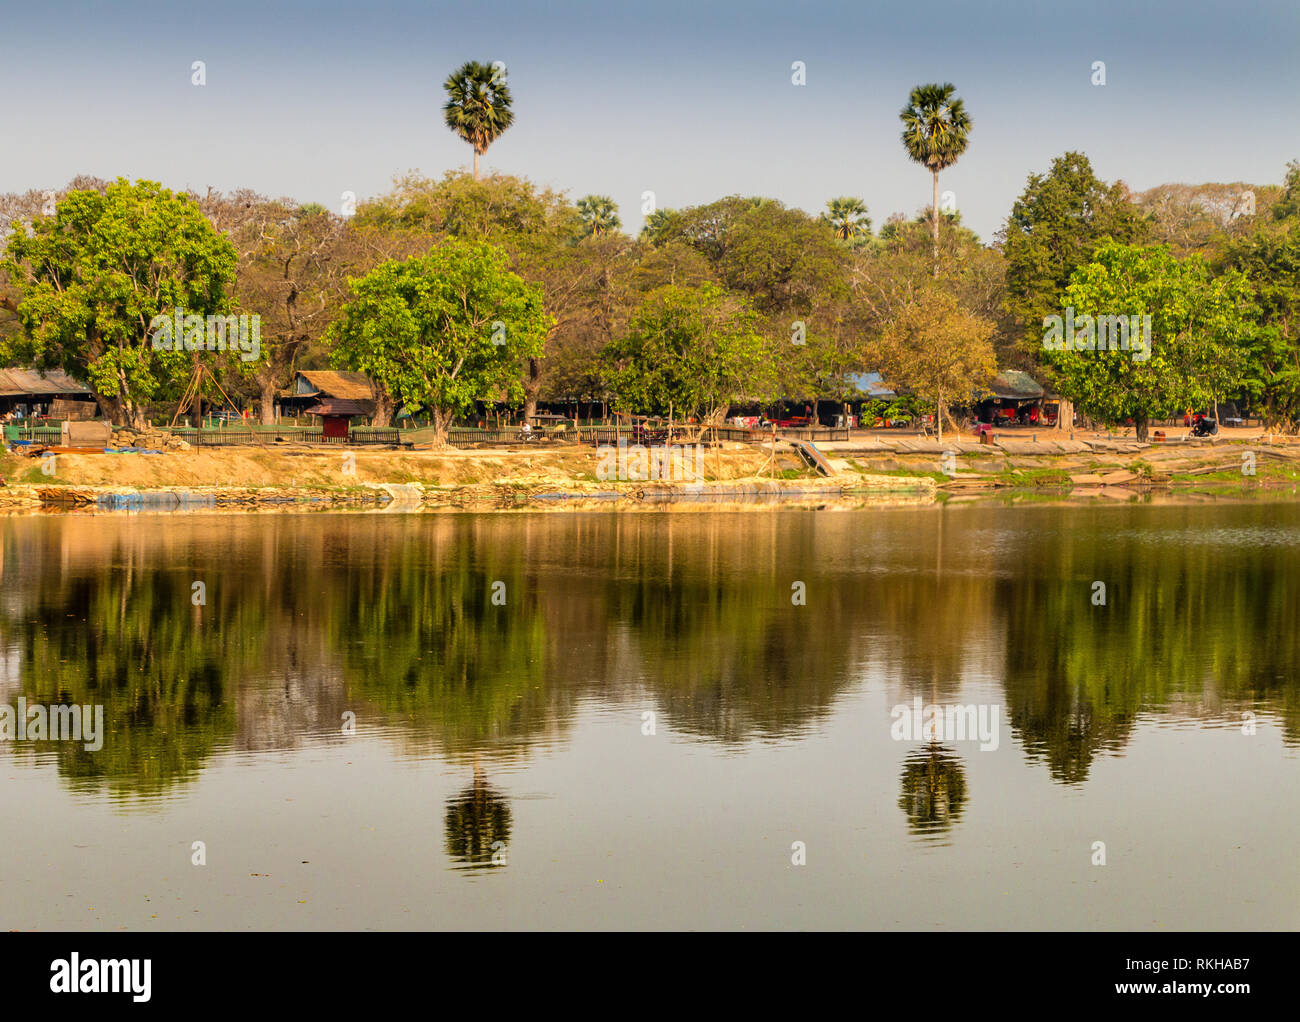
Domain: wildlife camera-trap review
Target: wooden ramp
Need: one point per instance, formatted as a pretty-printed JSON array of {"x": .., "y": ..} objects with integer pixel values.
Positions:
[{"x": 814, "y": 457}]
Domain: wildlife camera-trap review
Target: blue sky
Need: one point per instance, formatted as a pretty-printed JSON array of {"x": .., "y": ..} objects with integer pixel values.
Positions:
[{"x": 692, "y": 100}]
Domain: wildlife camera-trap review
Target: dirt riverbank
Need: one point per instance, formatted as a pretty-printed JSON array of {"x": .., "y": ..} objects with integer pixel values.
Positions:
[{"x": 906, "y": 468}]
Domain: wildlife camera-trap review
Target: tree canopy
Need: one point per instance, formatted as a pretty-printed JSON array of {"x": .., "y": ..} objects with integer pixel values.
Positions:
[
  {"x": 1199, "y": 328},
  {"x": 92, "y": 276},
  {"x": 937, "y": 349},
  {"x": 695, "y": 350},
  {"x": 1054, "y": 227},
  {"x": 443, "y": 330}
]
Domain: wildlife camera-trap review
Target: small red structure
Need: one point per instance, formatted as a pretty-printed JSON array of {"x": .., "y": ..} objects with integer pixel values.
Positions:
[{"x": 336, "y": 414}]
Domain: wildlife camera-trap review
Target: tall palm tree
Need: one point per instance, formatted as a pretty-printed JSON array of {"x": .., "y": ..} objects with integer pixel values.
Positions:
[
  {"x": 478, "y": 105},
  {"x": 847, "y": 217},
  {"x": 936, "y": 131},
  {"x": 599, "y": 215}
]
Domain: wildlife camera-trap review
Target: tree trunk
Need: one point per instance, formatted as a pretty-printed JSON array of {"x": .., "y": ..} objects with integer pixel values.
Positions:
[
  {"x": 385, "y": 406},
  {"x": 532, "y": 387},
  {"x": 266, "y": 401},
  {"x": 475, "y": 164},
  {"x": 441, "y": 424},
  {"x": 1064, "y": 415},
  {"x": 1140, "y": 421},
  {"x": 938, "y": 410},
  {"x": 112, "y": 408},
  {"x": 934, "y": 210}
]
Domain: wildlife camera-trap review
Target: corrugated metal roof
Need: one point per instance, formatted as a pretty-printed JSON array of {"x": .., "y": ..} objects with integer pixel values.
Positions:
[
  {"x": 327, "y": 383},
  {"x": 17, "y": 382}
]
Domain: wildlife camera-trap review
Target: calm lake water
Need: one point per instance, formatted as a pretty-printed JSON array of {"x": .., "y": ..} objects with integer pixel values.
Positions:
[{"x": 502, "y": 671}]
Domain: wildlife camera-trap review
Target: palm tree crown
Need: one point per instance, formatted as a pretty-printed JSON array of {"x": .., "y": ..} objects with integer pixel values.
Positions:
[
  {"x": 478, "y": 105},
  {"x": 599, "y": 215},
  {"x": 847, "y": 216},
  {"x": 936, "y": 127}
]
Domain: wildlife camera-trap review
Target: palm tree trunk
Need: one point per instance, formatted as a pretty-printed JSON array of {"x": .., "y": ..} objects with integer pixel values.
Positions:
[
  {"x": 934, "y": 216},
  {"x": 476, "y": 168}
]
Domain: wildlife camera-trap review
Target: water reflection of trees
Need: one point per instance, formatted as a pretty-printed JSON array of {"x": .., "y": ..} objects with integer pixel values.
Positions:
[
  {"x": 477, "y": 824},
  {"x": 1195, "y": 614},
  {"x": 392, "y": 617},
  {"x": 933, "y": 796},
  {"x": 124, "y": 635}
]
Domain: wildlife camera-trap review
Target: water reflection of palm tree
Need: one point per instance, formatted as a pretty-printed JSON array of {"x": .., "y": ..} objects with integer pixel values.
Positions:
[
  {"x": 934, "y": 790},
  {"x": 478, "y": 823}
]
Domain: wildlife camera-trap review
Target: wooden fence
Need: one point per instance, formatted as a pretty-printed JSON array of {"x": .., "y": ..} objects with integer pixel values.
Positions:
[{"x": 235, "y": 435}]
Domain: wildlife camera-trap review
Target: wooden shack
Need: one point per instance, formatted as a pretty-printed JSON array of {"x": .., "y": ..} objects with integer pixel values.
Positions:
[
  {"x": 32, "y": 391},
  {"x": 313, "y": 385},
  {"x": 336, "y": 416}
]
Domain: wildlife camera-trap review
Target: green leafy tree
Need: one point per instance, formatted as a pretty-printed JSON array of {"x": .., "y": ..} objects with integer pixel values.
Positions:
[
  {"x": 695, "y": 350},
  {"x": 599, "y": 215},
  {"x": 507, "y": 211},
  {"x": 91, "y": 278},
  {"x": 848, "y": 218},
  {"x": 1055, "y": 226},
  {"x": 936, "y": 131},
  {"x": 937, "y": 349},
  {"x": 478, "y": 105},
  {"x": 443, "y": 330},
  {"x": 708, "y": 228},
  {"x": 535, "y": 227},
  {"x": 781, "y": 258},
  {"x": 674, "y": 262},
  {"x": 658, "y": 225},
  {"x": 899, "y": 264},
  {"x": 1270, "y": 259},
  {"x": 1199, "y": 329},
  {"x": 819, "y": 368},
  {"x": 1289, "y": 204}
]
